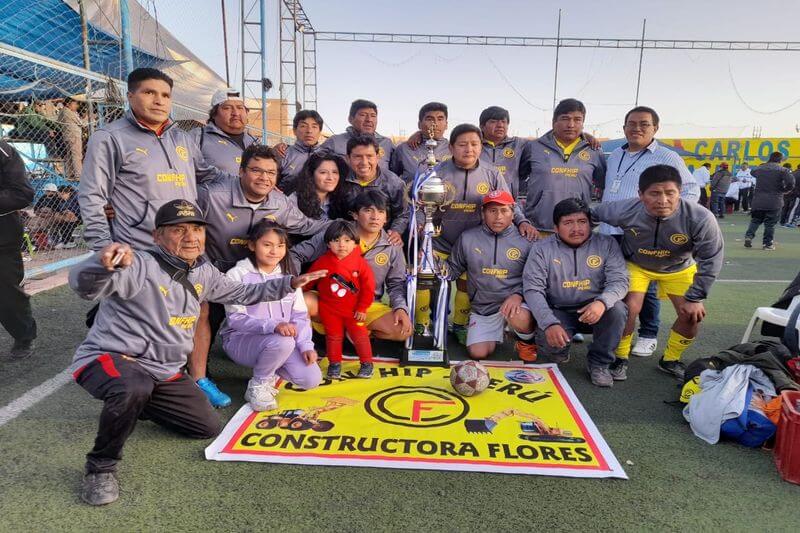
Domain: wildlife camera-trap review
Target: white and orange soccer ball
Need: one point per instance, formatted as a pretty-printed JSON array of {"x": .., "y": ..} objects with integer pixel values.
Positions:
[{"x": 469, "y": 378}]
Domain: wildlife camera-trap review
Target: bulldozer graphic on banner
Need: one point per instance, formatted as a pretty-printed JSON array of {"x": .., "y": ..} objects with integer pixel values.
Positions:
[
  {"x": 303, "y": 419},
  {"x": 533, "y": 428}
]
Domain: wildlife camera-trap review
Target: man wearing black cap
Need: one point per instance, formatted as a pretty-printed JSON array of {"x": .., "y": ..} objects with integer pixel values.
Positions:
[{"x": 134, "y": 355}]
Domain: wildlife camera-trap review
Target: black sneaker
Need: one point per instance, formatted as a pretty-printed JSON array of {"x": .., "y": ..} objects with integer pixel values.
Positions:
[
  {"x": 769, "y": 247},
  {"x": 22, "y": 349},
  {"x": 748, "y": 243},
  {"x": 676, "y": 368},
  {"x": 619, "y": 369},
  {"x": 334, "y": 370},
  {"x": 99, "y": 488},
  {"x": 365, "y": 370}
]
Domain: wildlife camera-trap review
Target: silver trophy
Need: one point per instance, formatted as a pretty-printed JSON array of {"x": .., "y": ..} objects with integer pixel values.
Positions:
[{"x": 429, "y": 194}]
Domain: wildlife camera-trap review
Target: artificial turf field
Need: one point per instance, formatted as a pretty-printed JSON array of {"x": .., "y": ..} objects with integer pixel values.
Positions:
[{"x": 677, "y": 481}]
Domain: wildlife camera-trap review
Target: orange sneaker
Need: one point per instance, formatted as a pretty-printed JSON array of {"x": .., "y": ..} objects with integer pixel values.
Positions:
[{"x": 526, "y": 351}]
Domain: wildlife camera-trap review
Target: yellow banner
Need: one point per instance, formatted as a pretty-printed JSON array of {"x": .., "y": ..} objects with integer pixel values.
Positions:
[
  {"x": 733, "y": 151},
  {"x": 527, "y": 421}
]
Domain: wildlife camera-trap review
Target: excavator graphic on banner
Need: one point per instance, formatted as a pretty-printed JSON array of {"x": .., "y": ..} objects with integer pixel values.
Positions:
[
  {"x": 303, "y": 419},
  {"x": 533, "y": 429}
]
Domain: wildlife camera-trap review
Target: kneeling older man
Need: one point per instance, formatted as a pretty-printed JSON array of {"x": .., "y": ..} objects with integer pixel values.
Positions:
[
  {"x": 134, "y": 355},
  {"x": 575, "y": 281}
]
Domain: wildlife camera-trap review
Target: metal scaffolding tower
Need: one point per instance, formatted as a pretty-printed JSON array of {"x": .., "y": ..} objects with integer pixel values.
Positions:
[{"x": 297, "y": 76}]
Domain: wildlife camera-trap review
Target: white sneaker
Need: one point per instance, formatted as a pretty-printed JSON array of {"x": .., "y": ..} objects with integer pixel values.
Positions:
[
  {"x": 59, "y": 246},
  {"x": 261, "y": 395},
  {"x": 644, "y": 347}
]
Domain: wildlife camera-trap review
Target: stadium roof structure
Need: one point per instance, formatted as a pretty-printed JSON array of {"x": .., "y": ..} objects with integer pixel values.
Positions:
[{"x": 41, "y": 51}]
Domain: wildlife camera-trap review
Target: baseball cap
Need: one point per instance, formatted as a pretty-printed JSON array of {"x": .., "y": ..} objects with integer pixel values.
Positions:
[
  {"x": 223, "y": 95},
  {"x": 50, "y": 187},
  {"x": 498, "y": 197},
  {"x": 177, "y": 212}
]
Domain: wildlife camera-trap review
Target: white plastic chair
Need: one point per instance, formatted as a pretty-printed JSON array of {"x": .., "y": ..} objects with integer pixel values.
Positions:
[{"x": 773, "y": 315}]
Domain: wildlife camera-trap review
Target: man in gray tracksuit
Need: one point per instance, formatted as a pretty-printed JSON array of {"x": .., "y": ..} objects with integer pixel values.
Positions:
[
  {"x": 363, "y": 118},
  {"x": 670, "y": 241},
  {"x": 307, "y": 126},
  {"x": 493, "y": 256},
  {"x": 134, "y": 354},
  {"x": 562, "y": 165},
  {"x": 386, "y": 261},
  {"x": 407, "y": 161},
  {"x": 137, "y": 163},
  {"x": 508, "y": 154},
  {"x": 574, "y": 282}
]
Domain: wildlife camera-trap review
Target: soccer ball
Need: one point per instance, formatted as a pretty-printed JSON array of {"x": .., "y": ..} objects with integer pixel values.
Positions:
[{"x": 469, "y": 378}]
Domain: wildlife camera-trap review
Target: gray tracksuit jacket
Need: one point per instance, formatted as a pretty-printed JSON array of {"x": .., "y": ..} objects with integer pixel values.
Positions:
[
  {"x": 772, "y": 182},
  {"x": 494, "y": 263},
  {"x": 691, "y": 234},
  {"x": 510, "y": 157},
  {"x": 219, "y": 149},
  {"x": 137, "y": 171},
  {"x": 554, "y": 177},
  {"x": 386, "y": 261},
  {"x": 465, "y": 192},
  {"x": 558, "y": 276},
  {"x": 230, "y": 218},
  {"x": 389, "y": 184},
  {"x": 338, "y": 144},
  {"x": 292, "y": 163},
  {"x": 721, "y": 181},
  {"x": 147, "y": 315},
  {"x": 406, "y": 162}
]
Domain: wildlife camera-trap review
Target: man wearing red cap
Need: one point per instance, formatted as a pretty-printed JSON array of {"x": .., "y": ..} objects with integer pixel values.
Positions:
[
  {"x": 720, "y": 183},
  {"x": 493, "y": 255}
]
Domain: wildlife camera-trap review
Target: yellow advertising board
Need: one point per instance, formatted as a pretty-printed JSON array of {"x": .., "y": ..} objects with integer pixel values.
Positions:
[{"x": 528, "y": 421}]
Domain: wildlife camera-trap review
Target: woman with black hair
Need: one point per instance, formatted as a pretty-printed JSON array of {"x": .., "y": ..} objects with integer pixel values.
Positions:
[{"x": 319, "y": 188}]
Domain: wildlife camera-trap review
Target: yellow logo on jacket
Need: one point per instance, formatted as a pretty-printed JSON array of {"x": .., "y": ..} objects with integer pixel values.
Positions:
[
  {"x": 508, "y": 153},
  {"x": 182, "y": 152},
  {"x": 183, "y": 322},
  {"x": 231, "y": 217},
  {"x": 679, "y": 238},
  {"x": 482, "y": 188},
  {"x": 198, "y": 288},
  {"x": 584, "y": 155},
  {"x": 142, "y": 150},
  {"x": 513, "y": 254},
  {"x": 381, "y": 259},
  {"x": 163, "y": 290},
  {"x": 594, "y": 261},
  {"x": 381, "y": 152}
]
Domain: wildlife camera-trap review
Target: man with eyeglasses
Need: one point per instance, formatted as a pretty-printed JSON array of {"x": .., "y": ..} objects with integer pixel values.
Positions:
[
  {"x": 232, "y": 208},
  {"x": 624, "y": 166}
]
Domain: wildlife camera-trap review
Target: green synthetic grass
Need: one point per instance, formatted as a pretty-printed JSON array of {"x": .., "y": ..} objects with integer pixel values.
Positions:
[{"x": 677, "y": 482}]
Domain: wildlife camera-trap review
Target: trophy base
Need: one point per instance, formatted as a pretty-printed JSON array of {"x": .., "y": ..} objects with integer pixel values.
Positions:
[{"x": 424, "y": 353}]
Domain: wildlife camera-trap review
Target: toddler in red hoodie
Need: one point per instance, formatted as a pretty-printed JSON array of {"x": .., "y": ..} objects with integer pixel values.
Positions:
[{"x": 344, "y": 296}]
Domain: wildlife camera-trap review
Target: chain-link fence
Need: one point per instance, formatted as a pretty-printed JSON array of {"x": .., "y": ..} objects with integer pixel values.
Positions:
[{"x": 62, "y": 63}]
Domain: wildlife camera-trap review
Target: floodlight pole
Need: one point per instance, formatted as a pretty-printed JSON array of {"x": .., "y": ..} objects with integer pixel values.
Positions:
[
  {"x": 264, "y": 88},
  {"x": 125, "y": 30},
  {"x": 87, "y": 65},
  {"x": 555, "y": 74},
  {"x": 641, "y": 56},
  {"x": 225, "y": 45}
]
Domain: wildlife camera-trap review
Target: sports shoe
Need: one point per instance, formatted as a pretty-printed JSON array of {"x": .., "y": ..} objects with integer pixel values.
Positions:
[
  {"x": 748, "y": 243},
  {"x": 365, "y": 370},
  {"x": 601, "y": 377},
  {"x": 676, "y": 368},
  {"x": 644, "y": 347},
  {"x": 260, "y": 394},
  {"x": 461, "y": 333},
  {"x": 99, "y": 488},
  {"x": 21, "y": 349},
  {"x": 216, "y": 397},
  {"x": 526, "y": 351},
  {"x": 769, "y": 247},
  {"x": 619, "y": 369},
  {"x": 559, "y": 358},
  {"x": 334, "y": 370},
  {"x": 578, "y": 337},
  {"x": 70, "y": 245}
]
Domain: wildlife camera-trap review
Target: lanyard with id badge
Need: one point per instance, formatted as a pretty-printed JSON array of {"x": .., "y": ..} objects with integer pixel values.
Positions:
[{"x": 615, "y": 185}]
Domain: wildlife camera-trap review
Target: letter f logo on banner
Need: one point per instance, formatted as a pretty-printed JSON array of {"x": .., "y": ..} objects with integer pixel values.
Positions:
[{"x": 422, "y": 405}]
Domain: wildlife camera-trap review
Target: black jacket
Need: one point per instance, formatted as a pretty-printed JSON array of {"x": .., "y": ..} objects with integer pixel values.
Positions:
[
  {"x": 772, "y": 182},
  {"x": 15, "y": 194}
]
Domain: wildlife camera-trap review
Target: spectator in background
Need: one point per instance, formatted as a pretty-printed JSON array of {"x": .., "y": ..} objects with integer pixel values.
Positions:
[
  {"x": 35, "y": 126},
  {"x": 50, "y": 218},
  {"x": 72, "y": 126},
  {"x": 772, "y": 182},
  {"x": 702, "y": 176},
  {"x": 225, "y": 136},
  {"x": 319, "y": 187},
  {"x": 745, "y": 180},
  {"x": 791, "y": 203},
  {"x": 15, "y": 194},
  {"x": 70, "y": 198},
  {"x": 720, "y": 183}
]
